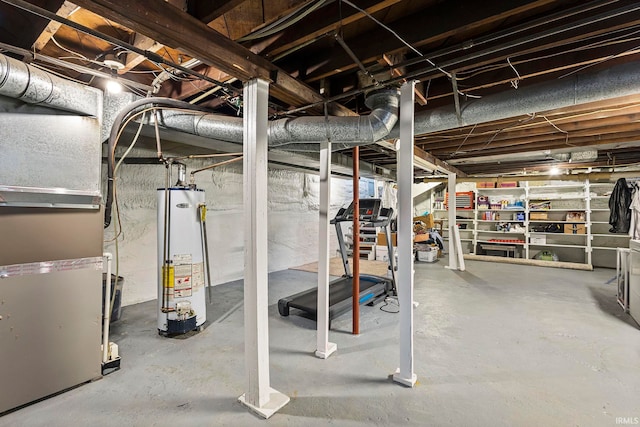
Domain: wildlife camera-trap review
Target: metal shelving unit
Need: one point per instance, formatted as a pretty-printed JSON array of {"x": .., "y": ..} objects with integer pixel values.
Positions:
[{"x": 591, "y": 199}]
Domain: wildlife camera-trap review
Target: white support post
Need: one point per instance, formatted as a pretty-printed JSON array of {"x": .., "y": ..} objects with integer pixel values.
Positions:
[
  {"x": 451, "y": 207},
  {"x": 405, "y": 375},
  {"x": 259, "y": 396},
  {"x": 324, "y": 348}
]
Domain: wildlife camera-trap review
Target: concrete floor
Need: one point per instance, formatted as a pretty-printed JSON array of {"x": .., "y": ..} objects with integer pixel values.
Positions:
[{"x": 497, "y": 345}]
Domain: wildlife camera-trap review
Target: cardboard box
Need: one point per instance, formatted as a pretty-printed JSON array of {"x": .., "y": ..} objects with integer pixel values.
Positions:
[
  {"x": 382, "y": 239},
  {"x": 575, "y": 229},
  {"x": 428, "y": 256},
  {"x": 485, "y": 184},
  {"x": 538, "y": 215},
  {"x": 426, "y": 219},
  {"x": 538, "y": 240},
  {"x": 421, "y": 238},
  {"x": 507, "y": 184}
]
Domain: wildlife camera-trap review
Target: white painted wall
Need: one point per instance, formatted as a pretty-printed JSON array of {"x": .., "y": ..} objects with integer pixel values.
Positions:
[
  {"x": 423, "y": 197},
  {"x": 293, "y": 221}
]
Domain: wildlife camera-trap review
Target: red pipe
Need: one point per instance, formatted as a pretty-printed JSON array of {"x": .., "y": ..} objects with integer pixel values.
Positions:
[{"x": 356, "y": 241}]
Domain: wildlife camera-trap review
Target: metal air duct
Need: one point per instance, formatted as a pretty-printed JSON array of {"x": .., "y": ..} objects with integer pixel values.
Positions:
[
  {"x": 300, "y": 133},
  {"x": 34, "y": 86},
  {"x": 617, "y": 81}
]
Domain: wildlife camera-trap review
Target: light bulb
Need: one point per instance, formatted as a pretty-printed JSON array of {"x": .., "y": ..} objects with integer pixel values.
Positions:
[{"x": 113, "y": 86}]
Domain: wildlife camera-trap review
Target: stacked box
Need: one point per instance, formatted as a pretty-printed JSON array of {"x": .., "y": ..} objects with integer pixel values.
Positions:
[
  {"x": 382, "y": 239},
  {"x": 575, "y": 229},
  {"x": 485, "y": 184},
  {"x": 538, "y": 215}
]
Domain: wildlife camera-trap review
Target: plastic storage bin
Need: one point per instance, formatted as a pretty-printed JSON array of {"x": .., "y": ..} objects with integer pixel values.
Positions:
[{"x": 117, "y": 289}]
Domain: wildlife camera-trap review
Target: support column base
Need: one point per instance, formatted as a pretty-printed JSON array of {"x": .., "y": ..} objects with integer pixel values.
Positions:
[
  {"x": 276, "y": 401},
  {"x": 331, "y": 348},
  {"x": 409, "y": 382}
]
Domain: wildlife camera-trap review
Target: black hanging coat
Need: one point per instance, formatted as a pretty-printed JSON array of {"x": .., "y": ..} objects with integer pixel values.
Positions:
[{"x": 619, "y": 202}]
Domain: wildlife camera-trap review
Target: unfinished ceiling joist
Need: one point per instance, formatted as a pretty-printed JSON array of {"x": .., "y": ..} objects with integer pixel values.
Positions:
[
  {"x": 593, "y": 176},
  {"x": 426, "y": 161},
  {"x": 175, "y": 28}
]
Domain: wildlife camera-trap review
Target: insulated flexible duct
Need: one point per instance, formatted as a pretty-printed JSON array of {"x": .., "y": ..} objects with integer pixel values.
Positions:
[
  {"x": 300, "y": 133},
  {"x": 617, "y": 81}
]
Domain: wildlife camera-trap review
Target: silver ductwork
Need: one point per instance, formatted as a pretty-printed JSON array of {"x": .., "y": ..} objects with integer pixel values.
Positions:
[
  {"x": 300, "y": 133},
  {"x": 34, "y": 86},
  {"x": 27, "y": 83},
  {"x": 617, "y": 81}
]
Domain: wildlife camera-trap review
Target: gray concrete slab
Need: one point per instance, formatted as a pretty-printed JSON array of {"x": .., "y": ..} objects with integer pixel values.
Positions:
[{"x": 497, "y": 345}]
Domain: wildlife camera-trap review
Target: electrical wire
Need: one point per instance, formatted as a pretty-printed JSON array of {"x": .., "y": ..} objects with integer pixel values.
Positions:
[
  {"x": 610, "y": 57},
  {"x": 53, "y": 39},
  {"x": 464, "y": 140},
  {"x": 390, "y": 302},
  {"x": 284, "y": 22},
  {"x": 558, "y": 129},
  {"x": 624, "y": 38},
  {"x": 525, "y": 124},
  {"x": 116, "y": 131},
  {"x": 396, "y": 35},
  {"x": 44, "y": 13},
  {"x": 49, "y": 70}
]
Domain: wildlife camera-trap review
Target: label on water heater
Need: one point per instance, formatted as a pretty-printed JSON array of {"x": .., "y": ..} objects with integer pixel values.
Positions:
[
  {"x": 198, "y": 276},
  {"x": 183, "y": 276}
]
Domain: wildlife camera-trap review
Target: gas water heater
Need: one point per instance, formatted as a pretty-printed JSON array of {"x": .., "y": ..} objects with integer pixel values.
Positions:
[{"x": 181, "y": 260}]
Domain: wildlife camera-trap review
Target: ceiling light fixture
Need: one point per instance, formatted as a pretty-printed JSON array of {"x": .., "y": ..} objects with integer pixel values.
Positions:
[
  {"x": 554, "y": 171},
  {"x": 113, "y": 62},
  {"x": 113, "y": 86}
]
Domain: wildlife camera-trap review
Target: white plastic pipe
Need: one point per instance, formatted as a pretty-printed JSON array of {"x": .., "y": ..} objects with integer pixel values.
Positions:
[{"x": 107, "y": 309}]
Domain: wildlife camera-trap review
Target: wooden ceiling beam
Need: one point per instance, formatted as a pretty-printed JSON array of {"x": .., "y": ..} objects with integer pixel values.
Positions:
[
  {"x": 186, "y": 89},
  {"x": 439, "y": 164},
  {"x": 172, "y": 27},
  {"x": 396, "y": 72},
  {"x": 577, "y": 144},
  {"x": 440, "y": 90},
  {"x": 542, "y": 129},
  {"x": 312, "y": 27},
  {"x": 141, "y": 42},
  {"x": 427, "y": 159},
  {"x": 64, "y": 11},
  {"x": 208, "y": 10},
  {"x": 562, "y": 138},
  {"x": 445, "y": 20},
  {"x": 22, "y": 29},
  {"x": 516, "y": 166}
]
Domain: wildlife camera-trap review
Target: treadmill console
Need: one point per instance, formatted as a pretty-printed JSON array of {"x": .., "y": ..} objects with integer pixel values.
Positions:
[{"x": 369, "y": 211}]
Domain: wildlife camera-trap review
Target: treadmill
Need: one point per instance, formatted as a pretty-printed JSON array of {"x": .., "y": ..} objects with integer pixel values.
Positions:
[{"x": 373, "y": 289}]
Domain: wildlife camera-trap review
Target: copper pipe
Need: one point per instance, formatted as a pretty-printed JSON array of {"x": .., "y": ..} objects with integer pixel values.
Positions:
[
  {"x": 356, "y": 242},
  {"x": 215, "y": 165}
]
